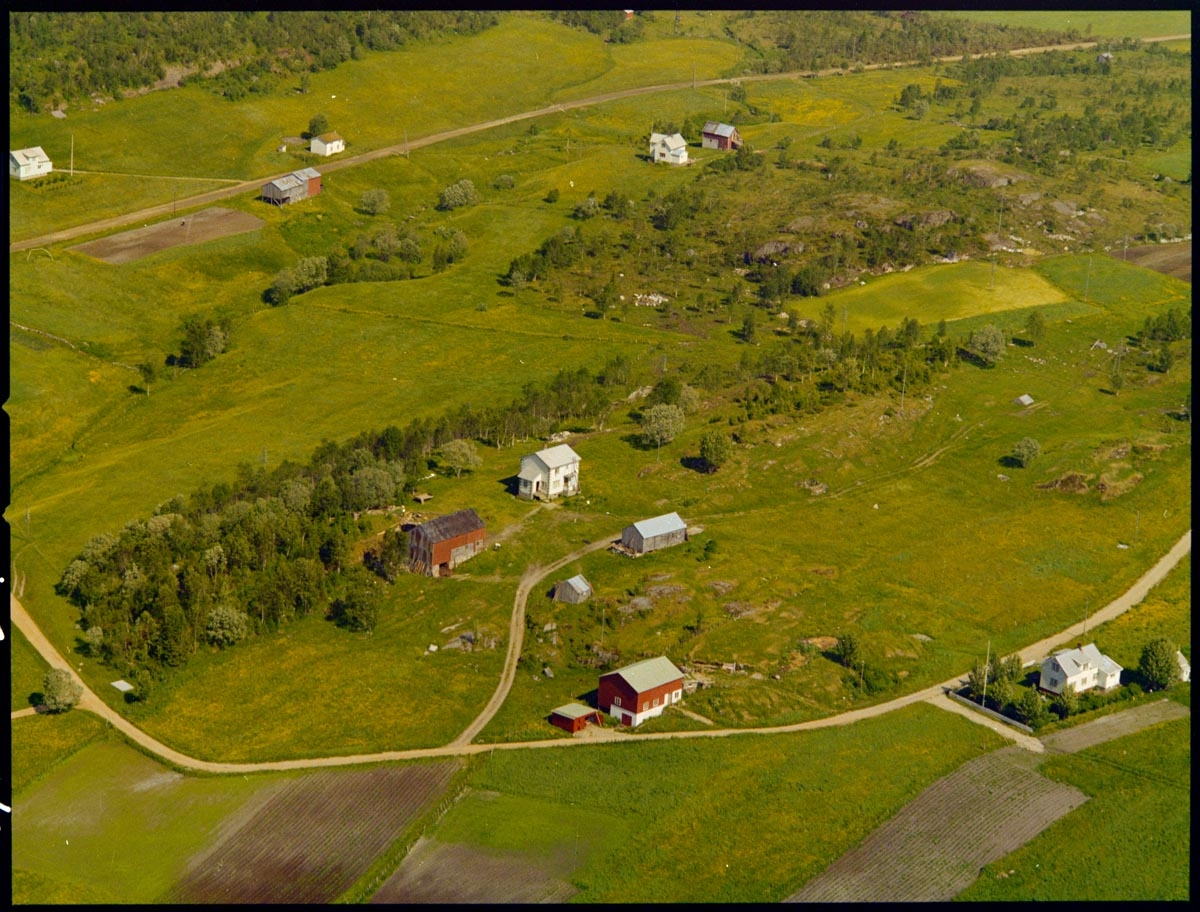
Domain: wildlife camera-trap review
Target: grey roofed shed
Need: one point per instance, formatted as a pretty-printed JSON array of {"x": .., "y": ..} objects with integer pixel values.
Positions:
[
  {"x": 652, "y": 534},
  {"x": 573, "y": 590}
]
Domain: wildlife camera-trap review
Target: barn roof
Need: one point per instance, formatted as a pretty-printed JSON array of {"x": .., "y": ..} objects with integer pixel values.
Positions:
[
  {"x": 719, "y": 129},
  {"x": 660, "y": 525},
  {"x": 1073, "y": 661},
  {"x": 451, "y": 526},
  {"x": 306, "y": 173},
  {"x": 649, "y": 673},
  {"x": 574, "y": 711},
  {"x": 285, "y": 183}
]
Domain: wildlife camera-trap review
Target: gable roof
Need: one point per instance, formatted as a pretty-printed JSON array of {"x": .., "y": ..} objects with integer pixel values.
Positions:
[
  {"x": 451, "y": 526},
  {"x": 306, "y": 173},
  {"x": 287, "y": 182},
  {"x": 1073, "y": 661},
  {"x": 719, "y": 129},
  {"x": 557, "y": 456},
  {"x": 660, "y": 525},
  {"x": 30, "y": 156},
  {"x": 673, "y": 141},
  {"x": 649, "y": 673},
  {"x": 578, "y": 583}
]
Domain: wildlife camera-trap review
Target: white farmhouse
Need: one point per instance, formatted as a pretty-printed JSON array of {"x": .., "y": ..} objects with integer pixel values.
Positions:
[
  {"x": 24, "y": 164},
  {"x": 327, "y": 144},
  {"x": 669, "y": 148},
  {"x": 549, "y": 473},
  {"x": 1082, "y": 669}
]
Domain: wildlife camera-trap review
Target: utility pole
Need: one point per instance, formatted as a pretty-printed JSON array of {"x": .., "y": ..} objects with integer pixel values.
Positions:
[
  {"x": 72, "y": 155},
  {"x": 986, "y": 664}
]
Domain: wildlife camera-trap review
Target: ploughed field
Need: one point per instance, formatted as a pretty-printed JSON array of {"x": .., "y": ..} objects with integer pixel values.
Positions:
[
  {"x": 314, "y": 839},
  {"x": 193, "y": 228}
]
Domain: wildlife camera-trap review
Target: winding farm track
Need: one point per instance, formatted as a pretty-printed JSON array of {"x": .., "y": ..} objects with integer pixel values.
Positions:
[
  {"x": 255, "y": 185},
  {"x": 462, "y": 744}
]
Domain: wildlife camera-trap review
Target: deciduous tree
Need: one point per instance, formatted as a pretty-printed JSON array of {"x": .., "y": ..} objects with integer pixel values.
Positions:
[
  {"x": 1158, "y": 665},
  {"x": 715, "y": 449},
  {"x": 661, "y": 424},
  {"x": 459, "y": 455},
  {"x": 60, "y": 691},
  {"x": 1026, "y": 450}
]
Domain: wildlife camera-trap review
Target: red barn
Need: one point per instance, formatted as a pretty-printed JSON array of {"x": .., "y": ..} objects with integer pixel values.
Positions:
[
  {"x": 637, "y": 692},
  {"x": 436, "y": 547},
  {"x": 574, "y": 717}
]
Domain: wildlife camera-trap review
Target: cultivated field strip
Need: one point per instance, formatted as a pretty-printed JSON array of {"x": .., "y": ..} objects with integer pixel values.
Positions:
[
  {"x": 437, "y": 872},
  {"x": 1117, "y": 725},
  {"x": 934, "y": 848},
  {"x": 315, "y": 838}
]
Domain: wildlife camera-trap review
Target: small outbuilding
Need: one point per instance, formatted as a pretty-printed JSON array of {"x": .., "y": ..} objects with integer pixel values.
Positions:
[
  {"x": 720, "y": 136},
  {"x": 292, "y": 188},
  {"x": 640, "y": 691},
  {"x": 1081, "y": 669},
  {"x": 652, "y": 534},
  {"x": 436, "y": 547},
  {"x": 573, "y": 590},
  {"x": 574, "y": 717},
  {"x": 327, "y": 144},
  {"x": 549, "y": 473},
  {"x": 670, "y": 148},
  {"x": 1024, "y": 399},
  {"x": 24, "y": 164}
]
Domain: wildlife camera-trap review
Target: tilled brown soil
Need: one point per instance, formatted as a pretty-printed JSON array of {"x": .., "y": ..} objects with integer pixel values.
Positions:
[
  {"x": 438, "y": 872},
  {"x": 934, "y": 848},
  {"x": 1169, "y": 259},
  {"x": 194, "y": 228},
  {"x": 315, "y": 837}
]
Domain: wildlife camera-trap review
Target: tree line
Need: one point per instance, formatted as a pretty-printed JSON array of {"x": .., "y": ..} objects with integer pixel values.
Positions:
[
  {"x": 242, "y": 558},
  {"x": 63, "y": 56}
]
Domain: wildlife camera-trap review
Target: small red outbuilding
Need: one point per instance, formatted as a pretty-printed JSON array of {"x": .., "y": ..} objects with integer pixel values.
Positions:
[{"x": 575, "y": 716}]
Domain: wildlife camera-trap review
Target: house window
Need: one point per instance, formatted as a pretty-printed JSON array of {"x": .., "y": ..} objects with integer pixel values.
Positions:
[
  {"x": 616, "y": 701},
  {"x": 645, "y": 706},
  {"x": 656, "y": 701}
]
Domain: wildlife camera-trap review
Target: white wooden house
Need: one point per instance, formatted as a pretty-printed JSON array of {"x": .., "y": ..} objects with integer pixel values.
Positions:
[
  {"x": 670, "y": 148},
  {"x": 549, "y": 473},
  {"x": 1082, "y": 669},
  {"x": 327, "y": 144},
  {"x": 24, "y": 164}
]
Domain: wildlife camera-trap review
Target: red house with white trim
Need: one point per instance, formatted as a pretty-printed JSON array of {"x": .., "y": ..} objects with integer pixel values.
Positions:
[{"x": 640, "y": 691}]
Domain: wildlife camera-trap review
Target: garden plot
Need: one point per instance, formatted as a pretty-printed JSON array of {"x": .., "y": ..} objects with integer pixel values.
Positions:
[
  {"x": 316, "y": 837},
  {"x": 934, "y": 848},
  {"x": 437, "y": 872},
  {"x": 194, "y": 228}
]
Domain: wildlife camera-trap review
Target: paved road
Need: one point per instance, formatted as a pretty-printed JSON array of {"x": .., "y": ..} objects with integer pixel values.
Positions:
[
  {"x": 255, "y": 186},
  {"x": 460, "y": 745}
]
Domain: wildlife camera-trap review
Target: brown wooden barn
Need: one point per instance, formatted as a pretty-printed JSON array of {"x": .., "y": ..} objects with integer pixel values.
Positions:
[
  {"x": 575, "y": 716},
  {"x": 436, "y": 547},
  {"x": 720, "y": 136}
]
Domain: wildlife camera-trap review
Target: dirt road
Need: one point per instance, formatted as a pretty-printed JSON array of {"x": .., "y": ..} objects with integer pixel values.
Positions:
[
  {"x": 461, "y": 745},
  {"x": 255, "y": 185}
]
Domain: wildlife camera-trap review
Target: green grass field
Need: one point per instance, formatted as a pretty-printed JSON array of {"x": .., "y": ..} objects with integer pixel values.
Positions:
[
  {"x": 1092, "y": 24},
  {"x": 1137, "y": 825}
]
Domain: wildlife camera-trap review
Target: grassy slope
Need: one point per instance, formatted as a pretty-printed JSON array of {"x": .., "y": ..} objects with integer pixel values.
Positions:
[{"x": 1092, "y": 24}]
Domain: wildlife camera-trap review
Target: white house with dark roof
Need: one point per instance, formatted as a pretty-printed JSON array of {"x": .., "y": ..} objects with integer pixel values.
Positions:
[
  {"x": 671, "y": 148},
  {"x": 640, "y": 691},
  {"x": 24, "y": 164},
  {"x": 1082, "y": 669},
  {"x": 327, "y": 144},
  {"x": 549, "y": 473}
]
